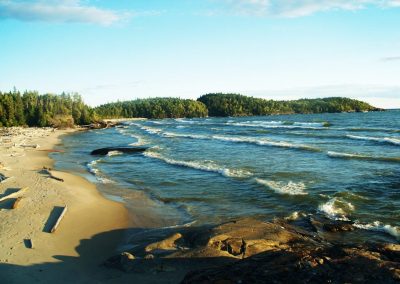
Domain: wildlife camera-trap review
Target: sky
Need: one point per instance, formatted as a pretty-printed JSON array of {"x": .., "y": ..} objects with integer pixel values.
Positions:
[{"x": 128, "y": 49}]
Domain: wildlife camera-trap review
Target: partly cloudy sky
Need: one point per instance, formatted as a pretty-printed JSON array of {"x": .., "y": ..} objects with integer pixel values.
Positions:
[{"x": 109, "y": 50}]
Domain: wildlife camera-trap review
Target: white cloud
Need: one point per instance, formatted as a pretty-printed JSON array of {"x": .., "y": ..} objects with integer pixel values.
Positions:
[
  {"x": 391, "y": 58},
  {"x": 299, "y": 8},
  {"x": 73, "y": 11}
]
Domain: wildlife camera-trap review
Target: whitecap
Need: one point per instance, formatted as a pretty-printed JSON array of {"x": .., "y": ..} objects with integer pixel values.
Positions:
[
  {"x": 378, "y": 226},
  {"x": 208, "y": 166},
  {"x": 389, "y": 140},
  {"x": 266, "y": 142},
  {"x": 295, "y": 216},
  {"x": 96, "y": 172},
  {"x": 333, "y": 154},
  {"x": 290, "y": 188},
  {"x": 336, "y": 209}
]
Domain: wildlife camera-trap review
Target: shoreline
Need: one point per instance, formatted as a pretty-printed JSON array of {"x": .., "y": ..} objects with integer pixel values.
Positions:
[{"x": 89, "y": 213}]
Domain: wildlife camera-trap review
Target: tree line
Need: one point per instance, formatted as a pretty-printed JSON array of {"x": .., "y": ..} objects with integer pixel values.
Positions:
[
  {"x": 238, "y": 105},
  {"x": 33, "y": 109}
]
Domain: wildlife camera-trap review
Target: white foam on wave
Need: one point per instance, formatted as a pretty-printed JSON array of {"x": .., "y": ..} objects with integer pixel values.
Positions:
[
  {"x": 96, "y": 172},
  {"x": 279, "y": 124},
  {"x": 390, "y": 140},
  {"x": 151, "y": 130},
  {"x": 295, "y": 216},
  {"x": 91, "y": 166},
  {"x": 290, "y": 188},
  {"x": 265, "y": 142},
  {"x": 310, "y": 124},
  {"x": 181, "y": 135},
  {"x": 336, "y": 209},
  {"x": 342, "y": 155},
  {"x": 208, "y": 166},
  {"x": 333, "y": 154},
  {"x": 378, "y": 226}
]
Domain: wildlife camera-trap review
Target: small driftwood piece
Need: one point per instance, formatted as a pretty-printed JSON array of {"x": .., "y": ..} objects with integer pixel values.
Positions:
[
  {"x": 28, "y": 243},
  {"x": 14, "y": 194},
  {"x": 48, "y": 171},
  {"x": 4, "y": 179},
  {"x": 30, "y": 145},
  {"x": 59, "y": 219},
  {"x": 16, "y": 202}
]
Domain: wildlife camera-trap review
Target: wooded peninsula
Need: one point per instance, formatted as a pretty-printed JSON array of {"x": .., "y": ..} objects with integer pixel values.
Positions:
[{"x": 33, "y": 109}]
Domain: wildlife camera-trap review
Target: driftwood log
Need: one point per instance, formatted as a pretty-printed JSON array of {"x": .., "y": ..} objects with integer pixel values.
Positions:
[
  {"x": 14, "y": 194},
  {"x": 59, "y": 219},
  {"x": 105, "y": 151},
  {"x": 48, "y": 171}
]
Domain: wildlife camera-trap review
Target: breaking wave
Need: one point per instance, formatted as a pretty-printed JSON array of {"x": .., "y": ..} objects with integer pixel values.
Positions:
[
  {"x": 280, "y": 124},
  {"x": 266, "y": 142},
  {"x": 290, "y": 188},
  {"x": 389, "y": 140},
  {"x": 336, "y": 209},
  {"x": 378, "y": 226},
  {"x": 208, "y": 166},
  {"x": 91, "y": 166},
  {"x": 333, "y": 154}
]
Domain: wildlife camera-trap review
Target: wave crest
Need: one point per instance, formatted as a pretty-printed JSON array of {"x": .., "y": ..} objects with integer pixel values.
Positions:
[
  {"x": 290, "y": 188},
  {"x": 336, "y": 209},
  {"x": 208, "y": 166}
]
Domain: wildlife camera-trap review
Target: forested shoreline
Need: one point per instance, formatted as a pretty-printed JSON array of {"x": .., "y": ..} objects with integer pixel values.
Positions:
[{"x": 65, "y": 110}]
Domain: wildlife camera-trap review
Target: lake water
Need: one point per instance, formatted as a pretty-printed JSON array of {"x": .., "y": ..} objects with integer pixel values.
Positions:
[{"x": 344, "y": 166}]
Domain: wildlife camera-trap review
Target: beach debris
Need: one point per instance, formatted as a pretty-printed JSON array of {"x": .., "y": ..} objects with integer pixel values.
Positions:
[
  {"x": 2, "y": 177},
  {"x": 48, "y": 171},
  {"x": 30, "y": 146},
  {"x": 14, "y": 194},
  {"x": 28, "y": 243},
  {"x": 105, "y": 151},
  {"x": 63, "y": 212},
  {"x": 16, "y": 202}
]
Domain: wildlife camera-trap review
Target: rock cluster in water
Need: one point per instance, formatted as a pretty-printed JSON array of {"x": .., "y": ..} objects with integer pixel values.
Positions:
[{"x": 251, "y": 251}]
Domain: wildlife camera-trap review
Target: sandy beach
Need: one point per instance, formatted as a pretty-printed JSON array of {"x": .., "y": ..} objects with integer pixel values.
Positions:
[{"x": 69, "y": 253}]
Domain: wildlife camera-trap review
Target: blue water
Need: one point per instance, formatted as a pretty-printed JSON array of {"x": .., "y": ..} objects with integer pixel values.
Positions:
[{"x": 344, "y": 166}]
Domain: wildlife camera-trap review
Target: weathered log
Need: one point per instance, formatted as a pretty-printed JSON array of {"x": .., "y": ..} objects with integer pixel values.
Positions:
[
  {"x": 16, "y": 202},
  {"x": 59, "y": 219},
  {"x": 30, "y": 145},
  {"x": 14, "y": 194},
  {"x": 48, "y": 171},
  {"x": 105, "y": 151}
]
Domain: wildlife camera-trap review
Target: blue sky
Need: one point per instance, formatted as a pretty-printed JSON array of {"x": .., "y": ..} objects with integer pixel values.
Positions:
[{"x": 126, "y": 49}]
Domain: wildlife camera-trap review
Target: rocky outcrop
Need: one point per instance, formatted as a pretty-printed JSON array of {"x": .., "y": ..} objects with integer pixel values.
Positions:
[
  {"x": 252, "y": 251},
  {"x": 309, "y": 264}
]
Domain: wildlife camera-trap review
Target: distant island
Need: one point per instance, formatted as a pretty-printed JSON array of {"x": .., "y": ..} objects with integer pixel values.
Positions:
[{"x": 65, "y": 110}]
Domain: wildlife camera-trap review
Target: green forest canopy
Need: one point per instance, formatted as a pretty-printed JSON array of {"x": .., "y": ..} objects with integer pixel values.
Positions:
[{"x": 65, "y": 110}]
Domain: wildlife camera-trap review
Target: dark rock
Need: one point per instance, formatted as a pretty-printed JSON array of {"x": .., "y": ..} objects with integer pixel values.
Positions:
[{"x": 105, "y": 151}]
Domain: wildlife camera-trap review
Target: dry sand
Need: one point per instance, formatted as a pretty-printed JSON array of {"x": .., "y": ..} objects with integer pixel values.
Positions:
[{"x": 89, "y": 233}]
